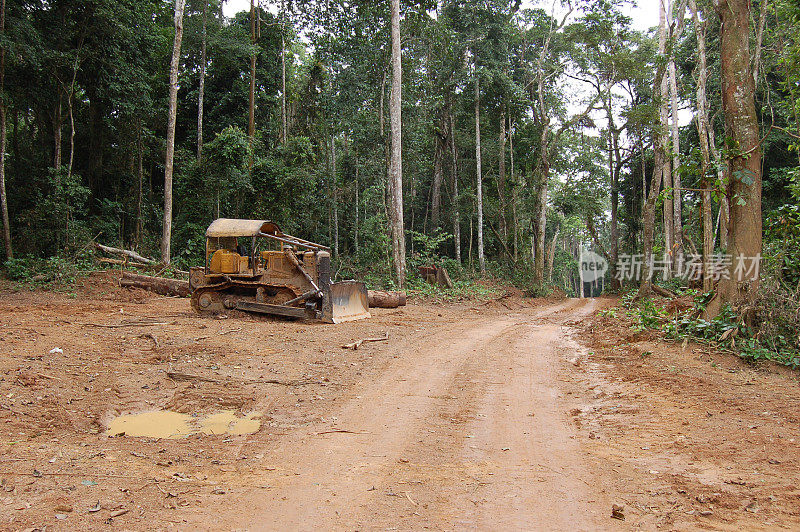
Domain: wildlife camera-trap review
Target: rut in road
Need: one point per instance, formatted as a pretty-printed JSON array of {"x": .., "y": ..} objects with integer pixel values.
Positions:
[{"x": 463, "y": 429}]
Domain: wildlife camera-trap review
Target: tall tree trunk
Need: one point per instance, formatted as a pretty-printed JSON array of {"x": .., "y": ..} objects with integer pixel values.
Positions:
[
  {"x": 677, "y": 195},
  {"x": 762, "y": 18},
  {"x": 705, "y": 152},
  {"x": 328, "y": 181},
  {"x": 660, "y": 172},
  {"x": 284, "y": 120},
  {"x": 3, "y": 198},
  {"x": 166, "y": 237},
  {"x": 744, "y": 163},
  {"x": 456, "y": 217},
  {"x": 335, "y": 198},
  {"x": 70, "y": 106},
  {"x": 644, "y": 173},
  {"x": 551, "y": 253},
  {"x": 396, "y": 170},
  {"x": 15, "y": 141},
  {"x": 251, "y": 117},
  {"x": 541, "y": 226},
  {"x": 649, "y": 218},
  {"x": 501, "y": 177},
  {"x": 478, "y": 178},
  {"x": 533, "y": 243},
  {"x": 57, "y": 122},
  {"x": 355, "y": 226},
  {"x": 201, "y": 90},
  {"x": 678, "y": 10},
  {"x": 439, "y": 146},
  {"x": 471, "y": 231},
  {"x": 139, "y": 179},
  {"x": 381, "y": 105},
  {"x": 708, "y": 230},
  {"x": 387, "y": 150},
  {"x": 71, "y": 134},
  {"x": 664, "y": 133},
  {"x": 613, "y": 168},
  {"x": 514, "y": 218},
  {"x": 722, "y": 178}
]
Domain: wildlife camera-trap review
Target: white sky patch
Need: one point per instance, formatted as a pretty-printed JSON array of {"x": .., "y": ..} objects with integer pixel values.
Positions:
[{"x": 231, "y": 7}]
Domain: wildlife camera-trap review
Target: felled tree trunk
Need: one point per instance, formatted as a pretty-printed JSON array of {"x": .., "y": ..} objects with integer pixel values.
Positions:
[
  {"x": 159, "y": 285},
  {"x": 381, "y": 299},
  {"x": 126, "y": 252}
]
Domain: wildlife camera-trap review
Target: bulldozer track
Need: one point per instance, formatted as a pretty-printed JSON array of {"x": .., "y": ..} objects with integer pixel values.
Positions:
[{"x": 220, "y": 298}]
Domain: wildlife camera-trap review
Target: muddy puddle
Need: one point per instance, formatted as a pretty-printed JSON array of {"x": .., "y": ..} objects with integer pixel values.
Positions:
[{"x": 174, "y": 425}]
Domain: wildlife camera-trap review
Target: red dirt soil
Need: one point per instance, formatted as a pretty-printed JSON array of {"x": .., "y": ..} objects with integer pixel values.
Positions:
[{"x": 512, "y": 414}]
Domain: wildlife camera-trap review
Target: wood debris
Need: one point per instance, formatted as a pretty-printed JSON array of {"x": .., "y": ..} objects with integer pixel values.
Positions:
[{"x": 357, "y": 344}]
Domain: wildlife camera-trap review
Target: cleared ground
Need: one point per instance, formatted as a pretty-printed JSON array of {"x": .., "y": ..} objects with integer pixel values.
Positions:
[{"x": 511, "y": 414}]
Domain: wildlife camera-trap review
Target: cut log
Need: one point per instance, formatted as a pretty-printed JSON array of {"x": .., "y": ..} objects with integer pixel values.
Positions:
[
  {"x": 126, "y": 252},
  {"x": 125, "y": 263},
  {"x": 381, "y": 299},
  {"x": 159, "y": 285}
]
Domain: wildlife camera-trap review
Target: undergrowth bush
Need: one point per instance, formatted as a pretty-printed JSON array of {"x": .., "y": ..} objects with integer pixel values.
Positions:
[
  {"x": 462, "y": 290},
  {"x": 765, "y": 341},
  {"x": 56, "y": 271}
]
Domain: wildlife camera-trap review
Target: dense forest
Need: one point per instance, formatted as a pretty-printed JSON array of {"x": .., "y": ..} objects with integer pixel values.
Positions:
[{"x": 497, "y": 138}]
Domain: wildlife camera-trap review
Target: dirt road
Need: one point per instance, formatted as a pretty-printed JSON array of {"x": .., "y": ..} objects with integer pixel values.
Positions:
[
  {"x": 514, "y": 414},
  {"x": 462, "y": 429}
]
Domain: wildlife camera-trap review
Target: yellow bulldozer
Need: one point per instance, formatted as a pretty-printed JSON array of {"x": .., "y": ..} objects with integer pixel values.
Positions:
[{"x": 253, "y": 266}]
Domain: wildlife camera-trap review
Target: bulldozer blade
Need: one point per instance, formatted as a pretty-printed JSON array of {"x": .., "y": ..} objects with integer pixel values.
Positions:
[{"x": 348, "y": 302}]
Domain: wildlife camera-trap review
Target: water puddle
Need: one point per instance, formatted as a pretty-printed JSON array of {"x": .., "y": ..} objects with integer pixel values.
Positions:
[
  {"x": 227, "y": 423},
  {"x": 174, "y": 425}
]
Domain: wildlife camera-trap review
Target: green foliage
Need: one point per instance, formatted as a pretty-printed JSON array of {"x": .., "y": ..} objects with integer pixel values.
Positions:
[
  {"x": 462, "y": 290},
  {"x": 647, "y": 315},
  {"x": 192, "y": 252},
  {"x": 727, "y": 330},
  {"x": 58, "y": 272},
  {"x": 427, "y": 248},
  {"x": 782, "y": 237},
  {"x": 55, "y": 220}
]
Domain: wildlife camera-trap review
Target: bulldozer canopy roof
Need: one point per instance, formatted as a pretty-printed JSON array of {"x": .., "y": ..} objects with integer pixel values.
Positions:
[{"x": 228, "y": 227}]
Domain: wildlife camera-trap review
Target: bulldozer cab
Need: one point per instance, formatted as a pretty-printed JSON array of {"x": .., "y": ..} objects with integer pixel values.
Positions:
[
  {"x": 232, "y": 246},
  {"x": 252, "y": 265}
]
